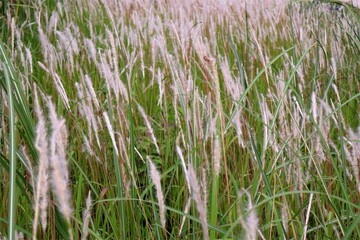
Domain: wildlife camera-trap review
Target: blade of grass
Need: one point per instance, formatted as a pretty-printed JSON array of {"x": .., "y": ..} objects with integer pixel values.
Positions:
[{"x": 12, "y": 156}]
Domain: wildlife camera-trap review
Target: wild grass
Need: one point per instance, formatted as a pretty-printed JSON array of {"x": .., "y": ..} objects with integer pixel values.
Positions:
[{"x": 179, "y": 119}]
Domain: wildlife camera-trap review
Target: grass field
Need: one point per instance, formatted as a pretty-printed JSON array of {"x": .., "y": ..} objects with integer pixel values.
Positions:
[{"x": 197, "y": 119}]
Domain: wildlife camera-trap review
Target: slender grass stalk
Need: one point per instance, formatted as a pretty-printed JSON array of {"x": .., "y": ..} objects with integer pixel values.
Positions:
[
  {"x": 119, "y": 181},
  {"x": 132, "y": 147},
  {"x": 215, "y": 186},
  {"x": 214, "y": 204},
  {"x": 307, "y": 216}
]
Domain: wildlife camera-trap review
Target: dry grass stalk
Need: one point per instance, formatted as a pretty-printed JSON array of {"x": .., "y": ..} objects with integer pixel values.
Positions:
[{"x": 12, "y": 28}]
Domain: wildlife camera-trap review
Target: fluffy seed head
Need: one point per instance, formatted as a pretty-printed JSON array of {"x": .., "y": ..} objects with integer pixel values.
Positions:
[{"x": 155, "y": 176}]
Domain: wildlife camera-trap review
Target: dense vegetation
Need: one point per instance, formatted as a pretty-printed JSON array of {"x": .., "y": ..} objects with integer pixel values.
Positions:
[{"x": 179, "y": 119}]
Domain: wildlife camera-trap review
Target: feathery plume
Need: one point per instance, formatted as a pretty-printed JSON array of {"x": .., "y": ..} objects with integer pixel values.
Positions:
[
  {"x": 155, "y": 177},
  {"x": 353, "y": 156},
  {"x": 111, "y": 132},
  {"x": 284, "y": 215},
  {"x": 217, "y": 155},
  {"x": 19, "y": 235},
  {"x": 60, "y": 174},
  {"x": 183, "y": 164},
  {"x": 42, "y": 185},
  {"x": 60, "y": 88},
  {"x": 86, "y": 218},
  {"x": 251, "y": 223},
  {"x": 148, "y": 125},
  {"x": 29, "y": 59}
]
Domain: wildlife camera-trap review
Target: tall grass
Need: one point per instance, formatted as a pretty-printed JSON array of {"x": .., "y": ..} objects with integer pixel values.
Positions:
[{"x": 180, "y": 119}]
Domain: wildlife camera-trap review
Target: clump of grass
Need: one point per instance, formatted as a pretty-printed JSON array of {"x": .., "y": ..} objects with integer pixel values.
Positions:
[{"x": 259, "y": 98}]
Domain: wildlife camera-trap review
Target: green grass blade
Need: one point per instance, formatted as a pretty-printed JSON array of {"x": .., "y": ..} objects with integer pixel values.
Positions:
[{"x": 12, "y": 157}]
